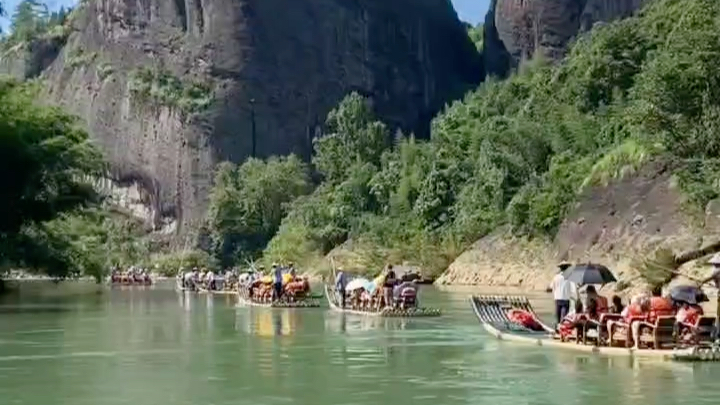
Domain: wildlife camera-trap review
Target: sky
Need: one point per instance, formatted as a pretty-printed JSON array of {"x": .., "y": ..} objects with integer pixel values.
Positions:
[{"x": 472, "y": 11}]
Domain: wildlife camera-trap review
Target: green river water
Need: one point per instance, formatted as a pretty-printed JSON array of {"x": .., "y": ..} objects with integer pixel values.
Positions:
[{"x": 159, "y": 347}]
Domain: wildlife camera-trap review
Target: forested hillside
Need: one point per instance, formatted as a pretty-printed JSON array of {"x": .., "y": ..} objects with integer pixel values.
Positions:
[{"x": 514, "y": 152}]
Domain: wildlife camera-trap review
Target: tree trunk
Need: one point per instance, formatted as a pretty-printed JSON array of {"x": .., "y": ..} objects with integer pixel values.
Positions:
[
  {"x": 663, "y": 267},
  {"x": 696, "y": 254}
]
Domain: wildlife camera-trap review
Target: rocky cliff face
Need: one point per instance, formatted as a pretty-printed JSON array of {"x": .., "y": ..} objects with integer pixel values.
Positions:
[
  {"x": 516, "y": 29},
  {"x": 617, "y": 225},
  {"x": 170, "y": 88}
]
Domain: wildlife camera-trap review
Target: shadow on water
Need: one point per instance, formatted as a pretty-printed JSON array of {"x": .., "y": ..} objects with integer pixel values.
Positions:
[{"x": 33, "y": 309}]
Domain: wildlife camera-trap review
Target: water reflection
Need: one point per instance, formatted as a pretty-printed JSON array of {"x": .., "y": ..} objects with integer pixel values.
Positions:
[
  {"x": 267, "y": 322},
  {"x": 150, "y": 347},
  {"x": 352, "y": 323}
]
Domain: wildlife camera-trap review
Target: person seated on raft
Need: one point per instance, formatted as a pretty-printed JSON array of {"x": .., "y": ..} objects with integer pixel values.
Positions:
[
  {"x": 210, "y": 280},
  {"x": 365, "y": 299},
  {"x": 660, "y": 306},
  {"x": 590, "y": 318},
  {"x": 297, "y": 286},
  {"x": 406, "y": 288},
  {"x": 356, "y": 299},
  {"x": 633, "y": 314},
  {"x": 687, "y": 317},
  {"x": 568, "y": 324},
  {"x": 601, "y": 303},
  {"x": 617, "y": 306}
]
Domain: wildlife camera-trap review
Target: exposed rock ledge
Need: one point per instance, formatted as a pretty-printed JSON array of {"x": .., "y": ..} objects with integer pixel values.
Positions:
[{"x": 614, "y": 225}]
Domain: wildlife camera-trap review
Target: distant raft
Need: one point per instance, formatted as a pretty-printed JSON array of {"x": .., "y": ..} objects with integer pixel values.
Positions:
[
  {"x": 127, "y": 279},
  {"x": 493, "y": 314},
  {"x": 257, "y": 295},
  {"x": 411, "y": 312}
]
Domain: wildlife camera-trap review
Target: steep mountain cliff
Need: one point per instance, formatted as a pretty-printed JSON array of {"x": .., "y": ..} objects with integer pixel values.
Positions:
[
  {"x": 171, "y": 88},
  {"x": 516, "y": 29}
]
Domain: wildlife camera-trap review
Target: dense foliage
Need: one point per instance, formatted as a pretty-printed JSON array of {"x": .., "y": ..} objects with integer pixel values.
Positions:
[
  {"x": 518, "y": 152},
  {"x": 248, "y": 203},
  {"x": 161, "y": 87},
  {"x": 49, "y": 223},
  {"x": 477, "y": 35}
]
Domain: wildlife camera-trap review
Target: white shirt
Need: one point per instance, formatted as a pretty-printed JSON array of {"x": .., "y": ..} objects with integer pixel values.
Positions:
[{"x": 562, "y": 289}]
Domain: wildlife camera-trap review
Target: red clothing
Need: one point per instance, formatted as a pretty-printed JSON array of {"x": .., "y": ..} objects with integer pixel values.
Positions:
[
  {"x": 689, "y": 316},
  {"x": 567, "y": 325},
  {"x": 633, "y": 311},
  {"x": 602, "y": 304},
  {"x": 660, "y": 306},
  {"x": 525, "y": 319}
]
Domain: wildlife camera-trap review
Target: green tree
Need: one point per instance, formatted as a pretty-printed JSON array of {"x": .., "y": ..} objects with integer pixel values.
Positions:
[
  {"x": 29, "y": 19},
  {"x": 519, "y": 151},
  {"x": 248, "y": 203},
  {"x": 355, "y": 136},
  {"x": 46, "y": 155},
  {"x": 477, "y": 35}
]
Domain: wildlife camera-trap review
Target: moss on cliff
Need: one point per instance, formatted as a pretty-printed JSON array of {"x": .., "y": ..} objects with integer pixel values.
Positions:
[
  {"x": 79, "y": 57},
  {"x": 161, "y": 87}
]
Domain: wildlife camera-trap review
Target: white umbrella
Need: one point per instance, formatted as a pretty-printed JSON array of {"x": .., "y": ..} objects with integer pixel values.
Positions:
[{"x": 358, "y": 283}]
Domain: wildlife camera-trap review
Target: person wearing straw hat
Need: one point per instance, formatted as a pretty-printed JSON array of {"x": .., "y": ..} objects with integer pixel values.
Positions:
[
  {"x": 715, "y": 278},
  {"x": 563, "y": 292}
]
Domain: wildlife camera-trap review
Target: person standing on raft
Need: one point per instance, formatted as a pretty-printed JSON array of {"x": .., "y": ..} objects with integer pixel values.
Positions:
[
  {"x": 563, "y": 291},
  {"x": 340, "y": 284},
  {"x": 277, "y": 275}
]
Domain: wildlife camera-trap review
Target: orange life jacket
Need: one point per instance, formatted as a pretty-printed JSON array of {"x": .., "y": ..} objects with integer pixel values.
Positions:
[
  {"x": 660, "y": 306},
  {"x": 634, "y": 311}
]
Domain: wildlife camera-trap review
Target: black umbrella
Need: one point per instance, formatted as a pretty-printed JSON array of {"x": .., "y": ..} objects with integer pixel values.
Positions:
[
  {"x": 688, "y": 293},
  {"x": 589, "y": 273}
]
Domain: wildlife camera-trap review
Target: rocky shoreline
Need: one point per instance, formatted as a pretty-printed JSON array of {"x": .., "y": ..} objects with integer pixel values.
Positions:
[{"x": 619, "y": 225}]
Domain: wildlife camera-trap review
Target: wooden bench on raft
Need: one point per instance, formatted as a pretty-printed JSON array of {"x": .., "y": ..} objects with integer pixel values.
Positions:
[
  {"x": 702, "y": 332},
  {"x": 600, "y": 327},
  {"x": 659, "y": 335}
]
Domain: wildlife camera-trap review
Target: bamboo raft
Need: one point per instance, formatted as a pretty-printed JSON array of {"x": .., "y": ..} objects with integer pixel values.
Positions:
[
  {"x": 128, "y": 283},
  {"x": 244, "y": 299},
  {"x": 491, "y": 311},
  {"x": 384, "y": 313},
  {"x": 181, "y": 288}
]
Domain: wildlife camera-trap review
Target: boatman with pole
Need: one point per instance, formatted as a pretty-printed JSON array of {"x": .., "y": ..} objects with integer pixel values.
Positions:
[
  {"x": 340, "y": 284},
  {"x": 563, "y": 292}
]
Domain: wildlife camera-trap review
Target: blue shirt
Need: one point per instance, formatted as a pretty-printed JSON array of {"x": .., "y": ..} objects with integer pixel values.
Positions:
[
  {"x": 278, "y": 274},
  {"x": 340, "y": 281}
]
